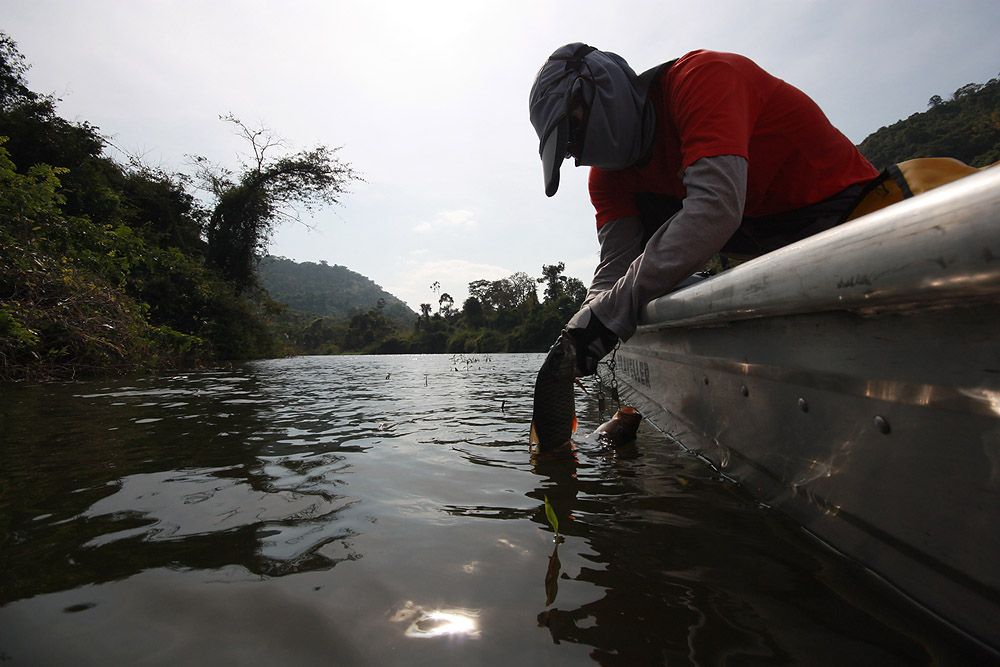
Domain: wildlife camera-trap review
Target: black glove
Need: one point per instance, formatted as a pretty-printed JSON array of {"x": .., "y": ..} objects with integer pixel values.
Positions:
[{"x": 591, "y": 339}]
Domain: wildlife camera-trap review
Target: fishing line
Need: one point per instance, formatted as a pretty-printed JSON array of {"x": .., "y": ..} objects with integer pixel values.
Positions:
[{"x": 608, "y": 388}]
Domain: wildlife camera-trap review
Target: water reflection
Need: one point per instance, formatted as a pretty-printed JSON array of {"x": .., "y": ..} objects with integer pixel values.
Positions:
[
  {"x": 331, "y": 489},
  {"x": 552, "y": 576},
  {"x": 659, "y": 556},
  {"x": 191, "y": 464}
]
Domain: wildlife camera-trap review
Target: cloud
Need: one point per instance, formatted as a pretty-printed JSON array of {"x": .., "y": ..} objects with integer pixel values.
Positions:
[{"x": 457, "y": 220}]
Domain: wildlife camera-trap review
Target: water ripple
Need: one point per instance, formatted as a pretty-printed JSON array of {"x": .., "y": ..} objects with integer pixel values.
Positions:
[{"x": 387, "y": 506}]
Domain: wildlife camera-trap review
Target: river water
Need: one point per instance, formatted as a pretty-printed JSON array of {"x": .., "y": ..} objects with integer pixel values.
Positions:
[{"x": 385, "y": 511}]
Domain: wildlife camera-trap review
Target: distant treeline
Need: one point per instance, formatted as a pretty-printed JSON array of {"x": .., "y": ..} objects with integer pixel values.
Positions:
[{"x": 499, "y": 316}]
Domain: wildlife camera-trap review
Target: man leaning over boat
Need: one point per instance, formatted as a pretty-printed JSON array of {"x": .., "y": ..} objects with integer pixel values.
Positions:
[{"x": 702, "y": 155}]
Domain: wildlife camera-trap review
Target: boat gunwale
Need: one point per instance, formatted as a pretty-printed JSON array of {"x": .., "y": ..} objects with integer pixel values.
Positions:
[{"x": 937, "y": 249}]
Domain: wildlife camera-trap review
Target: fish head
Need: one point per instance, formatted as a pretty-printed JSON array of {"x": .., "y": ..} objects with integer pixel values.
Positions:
[{"x": 560, "y": 362}]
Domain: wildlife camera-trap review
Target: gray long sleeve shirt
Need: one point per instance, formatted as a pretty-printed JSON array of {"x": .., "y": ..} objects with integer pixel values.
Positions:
[{"x": 630, "y": 276}]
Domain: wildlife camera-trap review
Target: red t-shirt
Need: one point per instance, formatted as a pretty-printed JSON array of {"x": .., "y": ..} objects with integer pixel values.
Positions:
[{"x": 710, "y": 103}]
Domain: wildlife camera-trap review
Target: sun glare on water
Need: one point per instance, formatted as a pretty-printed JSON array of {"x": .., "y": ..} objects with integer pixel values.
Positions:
[
  {"x": 441, "y": 623},
  {"x": 425, "y": 624}
]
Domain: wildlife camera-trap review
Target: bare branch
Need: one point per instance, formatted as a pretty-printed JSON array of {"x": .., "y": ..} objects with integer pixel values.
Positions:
[{"x": 270, "y": 190}]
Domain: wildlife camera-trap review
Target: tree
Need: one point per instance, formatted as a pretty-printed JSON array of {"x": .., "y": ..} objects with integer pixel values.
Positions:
[
  {"x": 267, "y": 191},
  {"x": 13, "y": 88},
  {"x": 967, "y": 90},
  {"x": 37, "y": 135},
  {"x": 366, "y": 328},
  {"x": 26, "y": 199},
  {"x": 504, "y": 294},
  {"x": 522, "y": 287},
  {"x": 555, "y": 282},
  {"x": 576, "y": 290},
  {"x": 472, "y": 311},
  {"x": 446, "y": 304},
  {"x": 479, "y": 290}
]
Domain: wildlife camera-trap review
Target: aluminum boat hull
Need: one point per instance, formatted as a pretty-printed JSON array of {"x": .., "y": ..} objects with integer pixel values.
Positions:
[{"x": 852, "y": 380}]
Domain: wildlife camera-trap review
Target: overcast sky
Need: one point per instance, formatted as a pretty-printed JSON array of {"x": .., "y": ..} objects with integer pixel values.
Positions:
[{"x": 428, "y": 100}]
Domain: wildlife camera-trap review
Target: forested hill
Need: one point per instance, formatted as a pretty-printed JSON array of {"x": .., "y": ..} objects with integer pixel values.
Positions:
[
  {"x": 330, "y": 291},
  {"x": 965, "y": 127}
]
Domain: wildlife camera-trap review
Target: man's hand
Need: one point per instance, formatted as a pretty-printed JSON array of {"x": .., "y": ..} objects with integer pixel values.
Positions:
[{"x": 591, "y": 339}]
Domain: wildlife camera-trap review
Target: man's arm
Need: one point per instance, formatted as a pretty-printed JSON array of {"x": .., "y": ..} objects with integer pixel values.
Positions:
[
  {"x": 621, "y": 243},
  {"x": 712, "y": 211}
]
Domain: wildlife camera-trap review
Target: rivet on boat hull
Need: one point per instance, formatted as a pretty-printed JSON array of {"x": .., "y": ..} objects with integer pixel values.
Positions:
[
  {"x": 744, "y": 390},
  {"x": 803, "y": 406},
  {"x": 882, "y": 425}
]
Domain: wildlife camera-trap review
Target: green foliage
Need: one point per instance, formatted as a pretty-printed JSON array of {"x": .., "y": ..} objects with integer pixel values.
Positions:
[
  {"x": 66, "y": 305},
  {"x": 27, "y": 200},
  {"x": 240, "y": 327},
  {"x": 501, "y": 316},
  {"x": 238, "y": 232},
  {"x": 550, "y": 515},
  {"x": 966, "y": 127},
  {"x": 505, "y": 294},
  {"x": 364, "y": 329},
  {"x": 13, "y": 88},
  {"x": 267, "y": 191},
  {"x": 103, "y": 265},
  {"x": 555, "y": 282}
]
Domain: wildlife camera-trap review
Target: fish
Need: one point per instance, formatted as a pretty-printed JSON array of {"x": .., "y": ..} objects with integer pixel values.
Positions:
[
  {"x": 553, "y": 417},
  {"x": 620, "y": 429}
]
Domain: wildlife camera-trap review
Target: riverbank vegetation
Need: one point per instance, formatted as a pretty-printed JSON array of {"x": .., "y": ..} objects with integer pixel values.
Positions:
[
  {"x": 112, "y": 267},
  {"x": 115, "y": 267}
]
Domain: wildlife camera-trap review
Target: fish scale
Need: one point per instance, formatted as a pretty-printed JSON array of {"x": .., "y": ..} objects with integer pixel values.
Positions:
[{"x": 553, "y": 419}]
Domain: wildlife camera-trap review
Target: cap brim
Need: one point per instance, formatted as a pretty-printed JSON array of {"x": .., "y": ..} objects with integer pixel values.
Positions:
[{"x": 553, "y": 154}]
